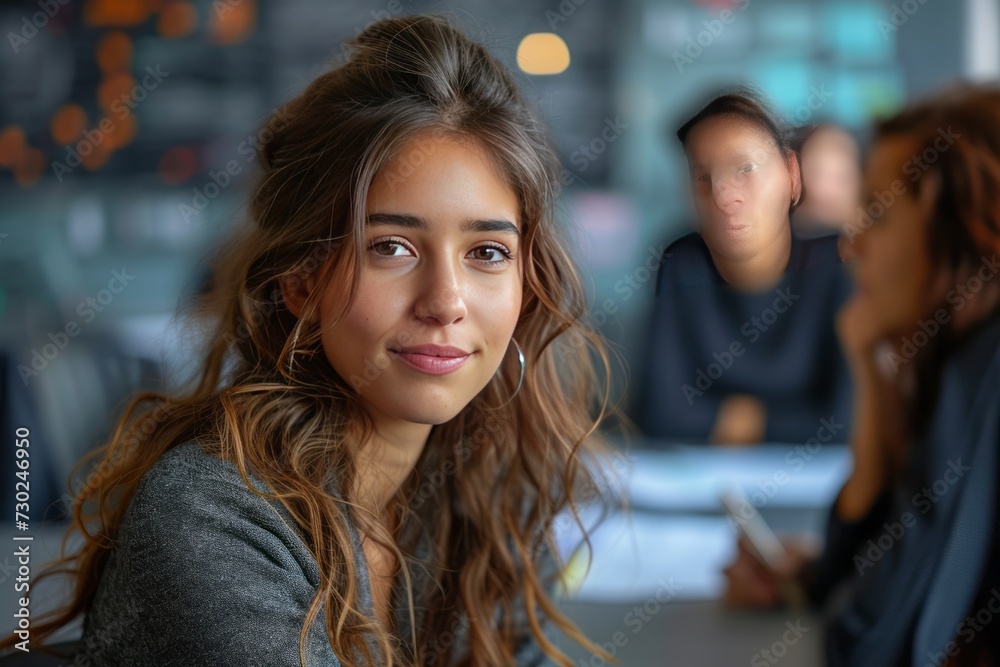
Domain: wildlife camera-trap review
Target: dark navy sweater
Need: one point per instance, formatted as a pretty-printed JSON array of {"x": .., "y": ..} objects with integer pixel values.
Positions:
[
  {"x": 708, "y": 340},
  {"x": 918, "y": 578}
]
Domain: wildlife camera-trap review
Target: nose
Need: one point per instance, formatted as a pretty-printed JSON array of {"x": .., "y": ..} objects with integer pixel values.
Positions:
[
  {"x": 725, "y": 195},
  {"x": 441, "y": 299}
]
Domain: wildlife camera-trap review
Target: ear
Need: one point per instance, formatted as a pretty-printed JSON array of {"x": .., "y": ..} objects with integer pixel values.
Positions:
[
  {"x": 295, "y": 289},
  {"x": 795, "y": 173}
]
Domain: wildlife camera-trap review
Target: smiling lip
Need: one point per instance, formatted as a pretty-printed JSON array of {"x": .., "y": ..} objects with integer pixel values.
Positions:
[
  {"x": 740, "y": 230},
  {"x": 730, "y": 222},
  {"x": 432, "y": 359}
]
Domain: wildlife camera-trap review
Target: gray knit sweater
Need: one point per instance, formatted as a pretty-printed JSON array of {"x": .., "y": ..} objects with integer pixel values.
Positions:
[{"x": 206, "y": 572}]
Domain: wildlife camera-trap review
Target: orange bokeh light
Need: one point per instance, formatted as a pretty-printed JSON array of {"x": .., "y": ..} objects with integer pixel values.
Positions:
[
  {"x": 114, "y": 52},
  {"x": 29, "y": 167},
  {"x": 115, "y": 87},
  {"x": 12, "y": 145},
  {"x": 67, "y": 123},
  {"x": 177, "y": 20},
  {"x": 233, "y": 22},
  {"x": 177, "y": 165},
  {"x": 123, "y": 133},
  {"x": 116, "y": 12}
]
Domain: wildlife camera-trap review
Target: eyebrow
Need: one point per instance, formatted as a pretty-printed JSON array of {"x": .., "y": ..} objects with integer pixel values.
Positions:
[
  {"x": 733, "y": 159},
  {"x": 416, "y": 222}
]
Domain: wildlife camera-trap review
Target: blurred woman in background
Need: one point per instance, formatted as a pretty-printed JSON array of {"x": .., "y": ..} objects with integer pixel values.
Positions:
[
  {"x": 831, "y": 179},
  {"x": 912, "y": 538},
  {"x": 397, "y": 398},
  {"x": 741, "y": 345}
]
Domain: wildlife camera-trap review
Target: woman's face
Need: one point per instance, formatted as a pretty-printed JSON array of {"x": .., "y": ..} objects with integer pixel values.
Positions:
[
  {"x": 893, "y": 269},
  {"x": 741, "y": 184},
  {"x": 442, "y": 268},
  {"x": 830, "y": 171}
]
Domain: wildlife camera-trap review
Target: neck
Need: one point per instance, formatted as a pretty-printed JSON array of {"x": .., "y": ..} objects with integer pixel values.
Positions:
[
  {"x": 760, "y": 272},
  {"x": 386, "y": 459}
]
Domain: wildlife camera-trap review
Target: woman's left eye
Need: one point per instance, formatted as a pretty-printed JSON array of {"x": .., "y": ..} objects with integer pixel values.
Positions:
[
  {"x": 485, "y": 254},
  {"x": 748, "y": 168},
  {"x": 491, "y": 254}
]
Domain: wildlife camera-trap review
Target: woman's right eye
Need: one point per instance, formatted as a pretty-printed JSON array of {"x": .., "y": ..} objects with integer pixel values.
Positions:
[
  {"x": 395, "y": 248},
  {"x": 705, "y": 178}
]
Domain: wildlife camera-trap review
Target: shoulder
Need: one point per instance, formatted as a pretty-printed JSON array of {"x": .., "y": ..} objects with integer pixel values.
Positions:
[
  {"x": 186, "y": 481},
  {"x": 188, "y": 466},
  {"x": 690, "y": 248},
  {"x": 685, "y": 262},
  {"x": 189, "y": 496},
  {"x": 204, "y": 571}
]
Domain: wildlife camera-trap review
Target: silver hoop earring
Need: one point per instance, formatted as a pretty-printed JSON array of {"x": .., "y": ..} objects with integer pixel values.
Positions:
[{"x": 520, "y": 380}]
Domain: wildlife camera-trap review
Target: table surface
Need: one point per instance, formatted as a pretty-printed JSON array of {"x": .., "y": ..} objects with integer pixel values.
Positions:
[{"x": 694, "y": 634}]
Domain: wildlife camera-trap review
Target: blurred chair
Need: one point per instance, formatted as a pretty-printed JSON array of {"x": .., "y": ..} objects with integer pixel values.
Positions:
[
  {"x": 37, "y": 658},
  {"x": 69, "y": 407}
]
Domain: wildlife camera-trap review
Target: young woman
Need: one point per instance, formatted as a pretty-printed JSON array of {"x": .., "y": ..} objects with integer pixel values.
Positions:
[
  {"x": 912, "y": 538},
  {"x": 398, "y": 396},
  {"x": 742, "y": 346}
]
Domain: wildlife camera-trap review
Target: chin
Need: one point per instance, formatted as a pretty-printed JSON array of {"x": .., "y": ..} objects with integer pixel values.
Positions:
[
  {"x": 429, "y": 410},
  {"x": 735, "y": 244},
  {"x": 435, "y": 418}
]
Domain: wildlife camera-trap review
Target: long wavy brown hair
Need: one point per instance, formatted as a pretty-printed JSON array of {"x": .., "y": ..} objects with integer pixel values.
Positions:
[
  {"x": 961, "y": 238},
  {"x": 267, "y": 399},
  {"x": 964, "y": 228}
]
